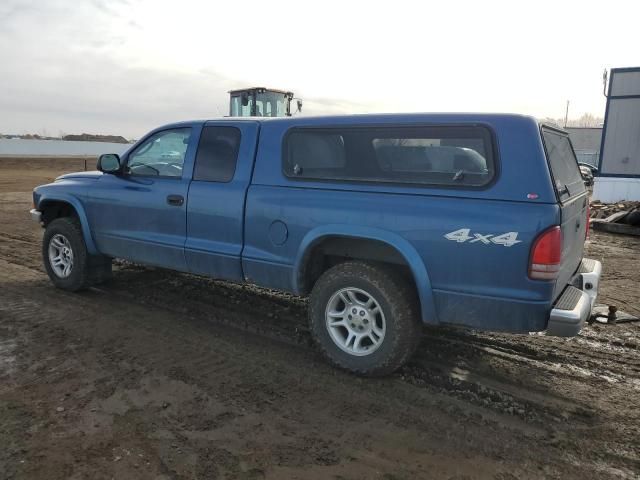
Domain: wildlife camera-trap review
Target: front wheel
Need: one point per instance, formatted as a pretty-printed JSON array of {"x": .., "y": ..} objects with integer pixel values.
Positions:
[
  {"x": 66, "y": 260},
  {"x": 364, "y": 318}
]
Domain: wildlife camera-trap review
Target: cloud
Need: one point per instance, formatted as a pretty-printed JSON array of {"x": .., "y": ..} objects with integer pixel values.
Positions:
[
  {"x": 67, "y": 77},
  {"x": 67, "y": 69},
  {"x": 104, "y": 97},
  {"x": 11, "y": 9},
  {"x": 107, "y": 6}
]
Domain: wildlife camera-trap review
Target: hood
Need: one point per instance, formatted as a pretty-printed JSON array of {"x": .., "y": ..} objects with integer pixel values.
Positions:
[{"x": 94, "y": 175}]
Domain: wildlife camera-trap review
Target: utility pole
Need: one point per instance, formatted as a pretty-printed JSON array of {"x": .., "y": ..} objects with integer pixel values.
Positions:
[{"x": 566, "y": 115}]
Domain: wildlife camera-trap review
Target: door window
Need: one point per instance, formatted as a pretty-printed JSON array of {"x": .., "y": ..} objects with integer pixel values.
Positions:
[
  {"x": 217, "y": 154},
  {"x": 160, "y": 155}
]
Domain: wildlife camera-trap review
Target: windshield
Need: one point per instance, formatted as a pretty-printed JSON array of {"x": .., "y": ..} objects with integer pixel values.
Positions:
[
  {"x": 267, "y": 104},
  {"x": 271, "y": 104}
]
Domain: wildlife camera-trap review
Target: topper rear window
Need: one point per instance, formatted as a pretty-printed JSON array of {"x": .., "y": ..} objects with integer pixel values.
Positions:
[
  {"x": 564, "y": 165},
  {"x": 443, "y": 155}
]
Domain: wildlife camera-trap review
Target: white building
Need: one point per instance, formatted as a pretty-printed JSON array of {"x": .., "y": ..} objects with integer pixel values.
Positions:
[{"x": 618, "y": 175}]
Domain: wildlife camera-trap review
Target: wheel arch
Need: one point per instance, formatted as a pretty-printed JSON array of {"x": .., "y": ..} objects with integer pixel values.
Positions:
[
  {"x": 60, "y": 202},
  {"x": 391, "y": 240}
]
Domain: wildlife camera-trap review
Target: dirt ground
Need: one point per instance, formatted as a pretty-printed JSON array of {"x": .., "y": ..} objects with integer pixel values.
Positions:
[{"x": 159, "y": 375}]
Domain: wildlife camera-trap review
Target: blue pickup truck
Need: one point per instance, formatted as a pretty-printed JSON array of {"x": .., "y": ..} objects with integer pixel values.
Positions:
[{"x": 387, "y": 222}]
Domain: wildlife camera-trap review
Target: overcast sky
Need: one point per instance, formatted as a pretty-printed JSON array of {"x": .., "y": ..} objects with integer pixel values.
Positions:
[{"x": 126, "y": 66}]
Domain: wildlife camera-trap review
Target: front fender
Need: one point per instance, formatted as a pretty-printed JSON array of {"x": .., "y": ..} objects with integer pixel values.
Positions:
[
  {"x": 414, "y": 261},
  {"x": 79, "y": 208}
]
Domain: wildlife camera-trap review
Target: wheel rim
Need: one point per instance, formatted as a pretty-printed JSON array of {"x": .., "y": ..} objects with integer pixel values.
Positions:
[
  {"x": 60, "y": 255},
  {"x": 355, "y": 321}
]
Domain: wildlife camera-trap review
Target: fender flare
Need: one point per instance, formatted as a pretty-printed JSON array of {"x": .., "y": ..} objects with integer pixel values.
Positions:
[
  {"x": 82, "y": 216},
  {"x": 408, "y": 252}
]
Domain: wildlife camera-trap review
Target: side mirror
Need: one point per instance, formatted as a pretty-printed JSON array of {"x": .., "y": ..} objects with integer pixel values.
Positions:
[
  {"x": 109, "y": 163},
  {"x": 587, "y": 175},
  {"x": 299, "y": 104}
]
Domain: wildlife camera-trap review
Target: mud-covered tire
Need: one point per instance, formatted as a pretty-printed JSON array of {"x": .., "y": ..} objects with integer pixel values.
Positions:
[
  {"x": 86, "y": 270},
  {"x": 396, "y": 298}
]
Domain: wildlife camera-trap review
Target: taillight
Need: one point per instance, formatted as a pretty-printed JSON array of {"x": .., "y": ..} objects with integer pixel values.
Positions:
[{"x": 546, "y": 254}]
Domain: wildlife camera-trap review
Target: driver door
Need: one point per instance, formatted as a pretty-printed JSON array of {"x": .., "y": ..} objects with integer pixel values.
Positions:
[{"x": 140, "y": 215}]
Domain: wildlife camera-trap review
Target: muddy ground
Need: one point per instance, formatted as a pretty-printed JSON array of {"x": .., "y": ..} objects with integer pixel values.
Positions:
[{"x": 161, "y": 375}]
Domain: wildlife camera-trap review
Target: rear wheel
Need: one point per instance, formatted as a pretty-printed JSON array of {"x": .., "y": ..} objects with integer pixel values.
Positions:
[
  {"x": 364, "y": 318},
  {"x": 66, "y": 260}
]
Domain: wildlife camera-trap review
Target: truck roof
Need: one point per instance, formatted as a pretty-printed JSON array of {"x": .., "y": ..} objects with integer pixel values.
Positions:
[{"x": 373, "y": 118}]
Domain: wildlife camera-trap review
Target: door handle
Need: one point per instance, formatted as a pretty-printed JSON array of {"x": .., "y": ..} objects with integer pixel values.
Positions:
[{"x": 175, "y": 200}]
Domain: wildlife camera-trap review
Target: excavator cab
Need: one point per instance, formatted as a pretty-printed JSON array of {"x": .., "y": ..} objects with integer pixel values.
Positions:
[{"x": 261, "y": 102}]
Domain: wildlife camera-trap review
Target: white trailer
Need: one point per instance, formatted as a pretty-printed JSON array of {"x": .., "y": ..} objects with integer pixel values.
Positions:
[{"x": 618, "y": 176}]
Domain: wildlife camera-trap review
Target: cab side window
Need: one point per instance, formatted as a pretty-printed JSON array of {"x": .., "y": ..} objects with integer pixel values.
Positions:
[
  {"x": 160, "y": 155},
  {"x": 217, "y": 154}
]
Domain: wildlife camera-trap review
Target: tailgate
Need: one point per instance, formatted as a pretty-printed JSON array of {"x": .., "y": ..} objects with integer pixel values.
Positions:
[
  {"x": 573, "y": 199},
  {"x": 574, "y": 229}
]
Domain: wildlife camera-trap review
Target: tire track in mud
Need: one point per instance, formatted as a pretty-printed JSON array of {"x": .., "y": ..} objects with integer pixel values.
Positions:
[
  {"x": 488, "y": 391},
  {"x": 158, "y": 288},
  {"x": 523, "y": 373},
  {"x": 194, "y": 361},
  {"x": 150, "y": 287},
  {"x": 534, "y": 347},
  {"x": 548, "y": 353},
  {"x": 201, "y": 358},
  {"x": 503, "y": 397},
  {"x": 26, "y": 239}
]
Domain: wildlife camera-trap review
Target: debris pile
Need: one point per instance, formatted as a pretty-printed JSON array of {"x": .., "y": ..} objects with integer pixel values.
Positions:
[
  {"x": 604, "y": 210},
  {"x": 621, "y": 217}
]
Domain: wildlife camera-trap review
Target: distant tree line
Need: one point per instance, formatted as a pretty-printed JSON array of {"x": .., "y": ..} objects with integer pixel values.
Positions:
[
  {"x": 28, "y": 136},
  {"x": 83, "y": 137},
  {"x": 90, "y": 137},
  {"x": 586, "y": 120}
]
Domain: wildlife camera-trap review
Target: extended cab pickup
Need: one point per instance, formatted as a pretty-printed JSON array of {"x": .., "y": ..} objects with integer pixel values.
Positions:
[{"x": 387, "y": 222}]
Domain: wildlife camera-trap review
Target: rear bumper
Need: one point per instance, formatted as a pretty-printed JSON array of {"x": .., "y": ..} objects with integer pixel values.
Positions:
[{"x": 573, "y": 307}]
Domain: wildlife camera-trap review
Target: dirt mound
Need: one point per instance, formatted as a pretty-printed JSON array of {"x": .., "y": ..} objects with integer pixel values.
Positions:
[{"x": 90, "y": 137}]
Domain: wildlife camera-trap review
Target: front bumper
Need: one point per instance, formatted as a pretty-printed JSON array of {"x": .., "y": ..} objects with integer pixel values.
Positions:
[
  {"x": 36, "y": 215},
  {"x": 573, "y": 307}
]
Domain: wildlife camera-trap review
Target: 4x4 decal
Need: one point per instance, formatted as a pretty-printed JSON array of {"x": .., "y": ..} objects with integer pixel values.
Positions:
[{"x": 464, "y": 234}]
